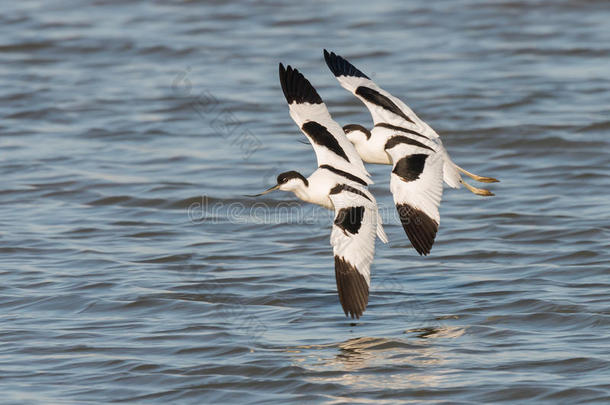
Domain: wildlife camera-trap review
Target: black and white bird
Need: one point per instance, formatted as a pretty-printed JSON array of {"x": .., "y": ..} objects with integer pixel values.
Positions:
[
  {"x": 340, "y": 184},
  {"x": 400, "y": 138}
]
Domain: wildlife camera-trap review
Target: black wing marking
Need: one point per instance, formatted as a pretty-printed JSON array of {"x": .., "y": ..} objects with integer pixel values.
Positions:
[
  {"x": 375, "y": 97},
  {"x": 297, "y": 88},
  {"x": 345, "y": 174},
  {"x": 410, "y": 167},
  {"x": 344, "y": 187},
  {"x": 352, "y": 287},
  {"x": 320, "y": 135},
  {"x": 400, "y": 129},
  {"x": 398, "y": 139},
  {"x": 340, "y": 66},
  {"x": 350, "y": 219},
  {"x": 419, "y": 227}
]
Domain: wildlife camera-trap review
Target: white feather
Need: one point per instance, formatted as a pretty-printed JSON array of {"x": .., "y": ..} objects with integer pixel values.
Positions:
[
  {"x": 426, "y": 192},
  {"x": 357, "y": 249}
]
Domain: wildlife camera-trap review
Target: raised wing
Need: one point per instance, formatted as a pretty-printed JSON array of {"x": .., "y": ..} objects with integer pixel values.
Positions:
[
  {"x": 325, "y": 135},
  {"x": 384, "y": 108},
  {"x": 416, "y": 183},
  {"x": 353, "y": 241}
]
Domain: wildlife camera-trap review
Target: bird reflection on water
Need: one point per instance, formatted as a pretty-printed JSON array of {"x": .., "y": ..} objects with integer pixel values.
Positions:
[{"x": 377, "y": 362}]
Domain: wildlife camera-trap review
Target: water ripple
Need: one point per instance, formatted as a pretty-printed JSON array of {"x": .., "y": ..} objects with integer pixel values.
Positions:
[{"x": 136, "y": 269}]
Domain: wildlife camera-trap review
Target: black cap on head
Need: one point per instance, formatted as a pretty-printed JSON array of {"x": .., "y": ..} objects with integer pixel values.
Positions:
[
  {"x": 286, "y": 176},
  {"x": 355, "y": 127}
]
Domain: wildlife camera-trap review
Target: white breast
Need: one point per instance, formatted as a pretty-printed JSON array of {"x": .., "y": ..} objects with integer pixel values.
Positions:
[
  {"x": 373, "y": 150},
  {"x": 320, "y": 183}
]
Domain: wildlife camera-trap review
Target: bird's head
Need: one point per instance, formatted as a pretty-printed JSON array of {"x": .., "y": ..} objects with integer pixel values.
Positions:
[
  {"x": 288, "y": 181},
  {"x": 356, "y": 134}
]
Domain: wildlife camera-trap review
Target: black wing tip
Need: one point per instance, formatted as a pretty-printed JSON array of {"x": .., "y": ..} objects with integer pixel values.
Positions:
[
  {"x": 296, "y": 87},
  {"x": 419, "y": 227},
  {"x": 340, "y": 66},
  {"x": 352, "y": 288}
]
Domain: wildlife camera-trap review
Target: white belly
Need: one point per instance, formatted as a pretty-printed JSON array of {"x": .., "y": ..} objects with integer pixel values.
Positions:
[{"x": 372, "y": 151}]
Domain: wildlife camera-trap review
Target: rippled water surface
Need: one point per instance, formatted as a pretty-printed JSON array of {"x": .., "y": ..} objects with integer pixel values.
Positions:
[{"x": 133, "y": 269}]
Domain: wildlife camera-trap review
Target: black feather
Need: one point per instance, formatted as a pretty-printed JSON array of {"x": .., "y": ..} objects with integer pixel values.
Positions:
[
  {"x": 340, "y": 66},
  {"x": 296, "y": 87}
]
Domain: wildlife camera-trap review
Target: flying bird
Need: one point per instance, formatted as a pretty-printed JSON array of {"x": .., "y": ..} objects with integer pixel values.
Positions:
[
  {"x": 340, "y": 184},
  {"x": 420, "y": 163}
]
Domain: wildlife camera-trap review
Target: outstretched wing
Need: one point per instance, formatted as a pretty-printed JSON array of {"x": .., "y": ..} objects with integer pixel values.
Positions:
[
  {"x": 325, "y": 135},
  {"x": 353, "y": 241},
  {"x": 385, "y": 108},
  {"x": 416, "y": 183}
]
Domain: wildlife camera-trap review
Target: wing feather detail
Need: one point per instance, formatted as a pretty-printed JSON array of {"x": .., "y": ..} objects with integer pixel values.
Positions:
[
  {"x": 353, "y": 240},
  {"x": 384, "y": 108},
  {"x": 325, "y": 135},
  {"x": 416, "y": 182}
]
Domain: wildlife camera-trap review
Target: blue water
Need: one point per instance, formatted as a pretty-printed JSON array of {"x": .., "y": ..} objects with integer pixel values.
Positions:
[{"x": 133, "y": 269}]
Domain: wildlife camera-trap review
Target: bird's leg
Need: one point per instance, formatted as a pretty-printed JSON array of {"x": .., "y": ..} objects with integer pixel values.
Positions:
[
  {"x": 477, "y": 191},
  {"x": 481, "y": 179}
]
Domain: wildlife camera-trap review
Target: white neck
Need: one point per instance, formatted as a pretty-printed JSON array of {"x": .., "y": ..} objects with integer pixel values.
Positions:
[
  {"x": 316, "y": 192},
  {"x": 302, "y": 193}
]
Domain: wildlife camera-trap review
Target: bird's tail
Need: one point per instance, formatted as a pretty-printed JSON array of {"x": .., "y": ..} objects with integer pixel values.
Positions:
[
  {"x": 380, "y": 232},
  {"x": 451, "y": 172}
]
